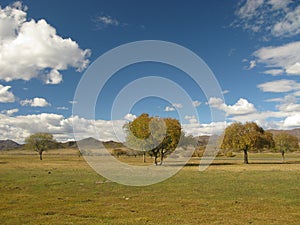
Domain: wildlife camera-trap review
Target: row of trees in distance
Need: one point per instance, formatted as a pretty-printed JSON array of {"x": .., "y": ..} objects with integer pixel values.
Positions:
[{"x": 159, "y": 137}]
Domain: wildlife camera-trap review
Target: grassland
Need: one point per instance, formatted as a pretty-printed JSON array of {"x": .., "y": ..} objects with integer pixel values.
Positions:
[{"x": 63, "y": 189}]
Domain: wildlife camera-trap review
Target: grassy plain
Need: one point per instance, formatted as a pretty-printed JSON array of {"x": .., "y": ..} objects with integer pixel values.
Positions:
[{"x": 63, "y": 189}]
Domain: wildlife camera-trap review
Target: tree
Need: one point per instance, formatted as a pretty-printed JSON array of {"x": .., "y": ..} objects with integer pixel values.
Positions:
[
  {"x": 285, "y": 142},
  {"x": 158, "y": 136},
  {"x": 245, "y": 137},
  {"x": 40, "y": 142}
]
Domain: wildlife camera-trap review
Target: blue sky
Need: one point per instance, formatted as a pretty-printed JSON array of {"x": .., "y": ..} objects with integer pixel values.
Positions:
[{"x": 46, "y": 47}]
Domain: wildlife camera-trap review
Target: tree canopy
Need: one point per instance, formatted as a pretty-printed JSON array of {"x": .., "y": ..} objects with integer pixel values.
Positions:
[
  {"x": 158, "y": 136},
  {"x": 245, "y": 137},
  {"x": 40, "y": 142},
  {"x": 285, "y": 142}
]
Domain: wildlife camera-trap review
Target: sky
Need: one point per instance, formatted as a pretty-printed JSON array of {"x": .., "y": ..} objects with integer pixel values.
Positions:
[{"x": 252, "y": 48}]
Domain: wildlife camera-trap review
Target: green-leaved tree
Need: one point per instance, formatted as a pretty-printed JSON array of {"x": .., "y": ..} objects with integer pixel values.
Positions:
[
  {"x": 40, "y": 142},
  {"x": 285, "y": 142},
  {"x": 245, "y": 137},
  {"x": 158, "y": 136}
]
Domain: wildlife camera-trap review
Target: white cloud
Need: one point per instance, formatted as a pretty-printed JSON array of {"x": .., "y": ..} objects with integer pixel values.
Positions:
[
  {"x": 292, "y": 121},
  {"x": 54, "y": 77},
  {"x": 73, "y": 102},
  {"x": 6, "y": 95},
  {"x": 19, "y": 127},
  {"x": 225, "y": 92},
  {"x": 177, "y": 105},
  {"x": 285, "y": 57},
  {"x": 36, "y": 102},
  {"x": 107, "y": 20},
  {"x": 9, "y": 112},
  {"x": 191, "y": 119},
  {"x": 252, "y": 64},
  {"x": 279, "y": 86},
  {"x": 274, "y": 100},
  {"x": 62, "y": 108},
  {"x": 249, "y": 9},
  {"x": 34, "y": 48},
  {"x": 104, "y": 21},
  {"x": 274, "y": 17},
  {"x": 169, "y": 109},
  {"x": 279, "y": 4},
  {"x": 274, "y": 72},
  {"x": 294, "y": 69},
  {"x": 197, "y": 129},
  {"x": 296, "y": 93},
  {"x": 289, "y": 104},
  {"x": 289, "y": 25},
  {"x": 196, "y": 103},
  {"x": 241, "y": 107},
  {"x": 130, "y": 117}
]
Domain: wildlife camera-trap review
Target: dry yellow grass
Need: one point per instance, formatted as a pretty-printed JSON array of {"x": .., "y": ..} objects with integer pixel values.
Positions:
[{"x": 63, "y": 189}]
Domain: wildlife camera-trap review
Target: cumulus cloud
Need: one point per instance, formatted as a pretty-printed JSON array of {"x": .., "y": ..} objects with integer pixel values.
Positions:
[
  {"x": 130, "y": 117},
  {"x": 285, "y": 57},
  {"x": 6, "y": 95},
  {"x": 169, "y": 109},
  {"x": 36, "y": 102},
  {"x": 9, "y": 112},
  {"x": 19, "y": 127},
  {"x": 279, "y": 86},
  {"x": 34, "y": 48},
  {"x": 191, "y": 119},
  {"x": 241, "y": 107},
  {"x": 289, "y": 104},
  {"x": 173, "y": 107},
  {"x": 292, "y": 121},
  {"x": 196, "y": 103},
  {"x": 54, "y": 77},
  {"x": 197, "y": 129}
]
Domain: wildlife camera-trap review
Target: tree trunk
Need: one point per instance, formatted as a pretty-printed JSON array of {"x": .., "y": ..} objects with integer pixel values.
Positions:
[
  {"x": 155, "y": 160},
  {"x": 144, "y": 157},
  {"x": 161, "y": 158},
  {"x": 282, "y": 154},
  {"x": 41, "y": 155},
  {"x": 245, "y": 156}
]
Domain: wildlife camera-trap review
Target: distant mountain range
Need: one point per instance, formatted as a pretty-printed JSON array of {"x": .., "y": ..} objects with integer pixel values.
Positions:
[
  {"x": 294, "y": 132},
  {"x": 8, "y": 144},
  {"x": 92, "y": 142}
]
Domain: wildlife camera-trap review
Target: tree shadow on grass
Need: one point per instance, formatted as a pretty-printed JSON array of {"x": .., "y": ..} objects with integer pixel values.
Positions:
[
  {"x": 240, "y": 163},
  {"x": 211, "y": 164},
  {"x": 3, "y": 162}
]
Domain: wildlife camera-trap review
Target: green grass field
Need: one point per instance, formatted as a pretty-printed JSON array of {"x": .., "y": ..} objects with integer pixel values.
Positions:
[{"x": 63, "y": 189}]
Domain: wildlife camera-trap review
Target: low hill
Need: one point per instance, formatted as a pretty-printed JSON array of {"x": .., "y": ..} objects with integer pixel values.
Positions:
[
  {"x": 89, "y": 143},
  {"x": 8, "y": 144},
  {"x": 294, "y": 132},
  {"x": 202, "y": 140},
  {"x": 113, "y": 144}
]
